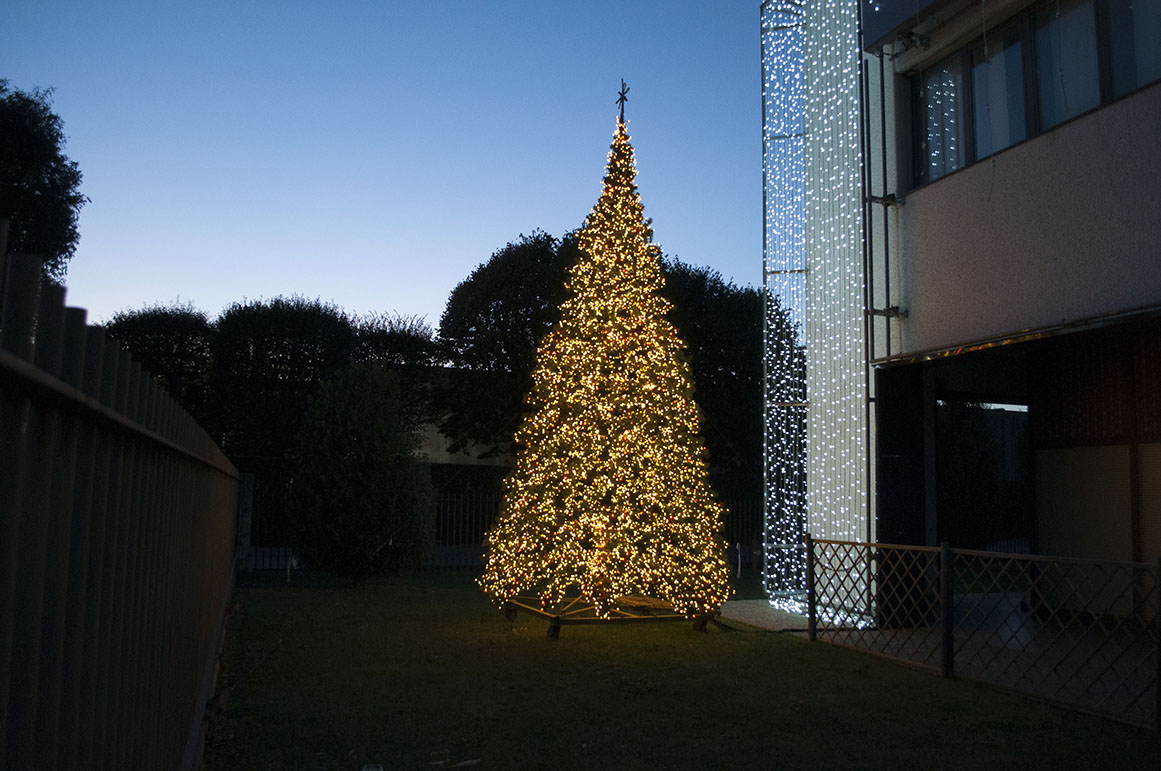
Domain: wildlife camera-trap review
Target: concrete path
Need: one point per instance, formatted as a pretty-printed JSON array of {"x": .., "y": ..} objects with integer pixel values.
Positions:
[{"x": 759, "y": 613}]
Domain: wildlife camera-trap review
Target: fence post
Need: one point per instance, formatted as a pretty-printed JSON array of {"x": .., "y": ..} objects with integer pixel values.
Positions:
[
  {"x": 21, "y": 298},
  {"x": 4, "y": 225},
  {"x": 946, "y": 611},
  {"x": 243, "y": 557},
  {"x": 811, "y": 599}
]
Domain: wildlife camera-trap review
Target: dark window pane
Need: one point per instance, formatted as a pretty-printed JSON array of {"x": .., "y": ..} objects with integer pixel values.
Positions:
[
  {"x": 940, "y": 120},
  {"x": 1066, "y": 61},
  {"x": 998, "y": 93},
  {"x": 1135, "y": 42}
]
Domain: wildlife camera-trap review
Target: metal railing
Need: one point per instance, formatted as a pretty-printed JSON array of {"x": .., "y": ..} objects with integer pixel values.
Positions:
[
  {"x": 117, "y": 521},
  {"x": 1084, "y": 633},
  {"x": 458, "y": 529},
  {"x": 463, "y": 519}
]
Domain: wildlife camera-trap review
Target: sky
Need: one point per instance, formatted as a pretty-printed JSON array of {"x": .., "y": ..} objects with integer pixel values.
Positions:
[{"x": 372, "y": 154}]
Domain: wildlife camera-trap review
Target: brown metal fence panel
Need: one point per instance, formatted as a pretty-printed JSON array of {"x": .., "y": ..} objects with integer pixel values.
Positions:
[
  {"x": 1084, "y": 633},
  {"x": 117, "y": 530}
]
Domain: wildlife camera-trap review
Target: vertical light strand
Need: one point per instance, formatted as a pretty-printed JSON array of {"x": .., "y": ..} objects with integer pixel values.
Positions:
[
  {"x": 813, "y": 263},
  {"x": 785, "y": 277}
]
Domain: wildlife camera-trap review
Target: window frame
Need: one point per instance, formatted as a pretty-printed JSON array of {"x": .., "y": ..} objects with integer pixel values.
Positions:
[
  {"x": 919, "y": 120},
  {"x": 1027, "y": 70}
]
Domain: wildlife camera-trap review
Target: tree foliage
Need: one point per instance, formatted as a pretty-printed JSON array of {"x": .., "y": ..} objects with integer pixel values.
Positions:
[
  {"x": 268, "y": 360},
  {"x": 721, "y": 324},
  {"x": 395, "y": 340},
  {"x": 39, "y": 185},
  {"x": 493, "y": 322},
  {"x": 364, "y": 498},
  {"x": 407, "y": 346},
  {"x": 173, "y": 343},
  {"x": 495, "y": 319},
  {"x": 250, "y": 376}
]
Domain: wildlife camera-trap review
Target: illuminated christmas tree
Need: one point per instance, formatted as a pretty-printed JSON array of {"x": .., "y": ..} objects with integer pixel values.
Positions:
[{"x": 609, "y": 495}]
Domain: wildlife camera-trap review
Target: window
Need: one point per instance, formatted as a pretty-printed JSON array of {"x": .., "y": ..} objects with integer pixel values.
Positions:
[
  {"x": 941, "y": 143},
  {"x": 998, "y": 93},
  {"x": 1062, "y": 59},
  {"x": 1066, "y": 61},
  {"x": 1134, "y": 43}
]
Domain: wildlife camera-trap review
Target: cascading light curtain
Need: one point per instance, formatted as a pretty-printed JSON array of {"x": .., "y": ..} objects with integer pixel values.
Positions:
[
  {"x": 784, "y": 271},
  {"x": 815, "y": 414}
]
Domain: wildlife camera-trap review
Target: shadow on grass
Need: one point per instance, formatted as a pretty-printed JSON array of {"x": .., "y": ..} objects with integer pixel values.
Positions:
[{"x": 422, "y": 671}]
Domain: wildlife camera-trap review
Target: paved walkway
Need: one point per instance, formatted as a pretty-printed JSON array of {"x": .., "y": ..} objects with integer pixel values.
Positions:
[{"x": 759, "y": 613}]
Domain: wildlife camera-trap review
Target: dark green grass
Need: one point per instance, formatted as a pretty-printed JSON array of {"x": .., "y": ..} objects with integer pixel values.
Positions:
[{"x": 424, "y": 670}]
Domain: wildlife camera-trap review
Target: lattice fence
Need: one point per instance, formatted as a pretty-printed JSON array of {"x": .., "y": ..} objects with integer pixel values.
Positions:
[{"x": 1079, "y": 632}]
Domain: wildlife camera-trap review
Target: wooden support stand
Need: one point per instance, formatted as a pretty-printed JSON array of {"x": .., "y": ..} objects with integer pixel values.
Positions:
[{"x": 628, "y": 609}]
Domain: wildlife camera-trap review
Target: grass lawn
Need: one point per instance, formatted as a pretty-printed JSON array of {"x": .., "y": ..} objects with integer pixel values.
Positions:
[{"x": 423, "y": 671}]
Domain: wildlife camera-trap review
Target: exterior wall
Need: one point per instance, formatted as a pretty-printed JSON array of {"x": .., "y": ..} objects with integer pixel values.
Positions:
[
  {"x": 434, "y": 446},
  {"x": 1084, "y": 502},
  {"x": 1149, "y": 481},
  {"x": 1096, "y": 429},
  {"x": 1053, "y": 234},
  {"x": 1083, "y": 505},
  {"x": 1060, "y": 228}
]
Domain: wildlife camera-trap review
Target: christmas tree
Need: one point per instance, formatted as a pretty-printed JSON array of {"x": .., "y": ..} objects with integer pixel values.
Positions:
[{"x": 609, "y": 495}]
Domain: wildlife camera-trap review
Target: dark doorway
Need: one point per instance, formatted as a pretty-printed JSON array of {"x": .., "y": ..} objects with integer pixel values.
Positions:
[
  {"x": 953, "y": 452},
  {"x": 984, "y": 476}
]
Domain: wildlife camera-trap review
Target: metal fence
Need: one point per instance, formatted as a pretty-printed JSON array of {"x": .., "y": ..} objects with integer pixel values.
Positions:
[
  {"x": 117, "y": 520},
  {"x": 463, "y": 519},
  {"x": 1084, "y": 633}
]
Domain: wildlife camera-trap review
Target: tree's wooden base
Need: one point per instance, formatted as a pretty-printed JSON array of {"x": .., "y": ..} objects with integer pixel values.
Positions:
[{"x": 627, "y": 609}]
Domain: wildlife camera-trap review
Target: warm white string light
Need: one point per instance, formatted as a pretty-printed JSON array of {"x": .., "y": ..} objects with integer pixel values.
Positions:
[
  {"x": 609, "y": 496},
  {"x": 815, "y": 414}
]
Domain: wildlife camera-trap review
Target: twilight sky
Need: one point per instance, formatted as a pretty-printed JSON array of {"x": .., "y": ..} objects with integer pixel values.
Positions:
[{"x": 373, "y": 153}]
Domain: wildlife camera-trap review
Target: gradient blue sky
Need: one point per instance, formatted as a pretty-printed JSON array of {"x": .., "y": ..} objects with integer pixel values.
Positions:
[{"x": 373, "y": 153}]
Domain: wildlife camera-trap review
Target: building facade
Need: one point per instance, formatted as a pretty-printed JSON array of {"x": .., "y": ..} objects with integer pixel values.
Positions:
[{"x": 1012, "y": 180}]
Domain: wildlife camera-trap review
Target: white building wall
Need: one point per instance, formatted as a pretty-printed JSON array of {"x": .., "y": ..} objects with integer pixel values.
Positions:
[{"x": 1063, "y": 227}]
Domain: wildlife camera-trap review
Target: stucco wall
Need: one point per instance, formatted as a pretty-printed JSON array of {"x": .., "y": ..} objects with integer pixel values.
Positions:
[
  {"x": 1083, "y": 506},
  {"x": 434, "y": 446},
  {"x": 1149, "y": 474},
  {"x": 1061, "y": 228}
]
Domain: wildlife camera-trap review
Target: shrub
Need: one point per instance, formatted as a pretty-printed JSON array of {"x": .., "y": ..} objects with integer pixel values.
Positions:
[{"x": 364, "y": 496}]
